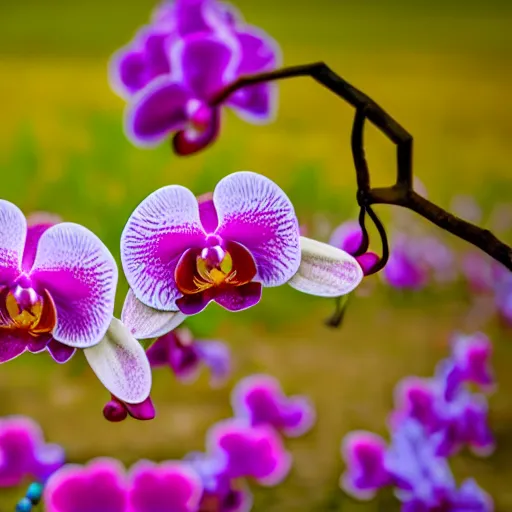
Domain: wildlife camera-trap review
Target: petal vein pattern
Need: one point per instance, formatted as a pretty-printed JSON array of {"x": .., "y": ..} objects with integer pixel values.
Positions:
[
  {"x": 255, "y": 212},
  {"x": 160, "y": 229}
]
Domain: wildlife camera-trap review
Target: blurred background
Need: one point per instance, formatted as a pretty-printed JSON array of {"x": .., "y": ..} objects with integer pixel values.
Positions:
[{"x": 442, "y": 68}]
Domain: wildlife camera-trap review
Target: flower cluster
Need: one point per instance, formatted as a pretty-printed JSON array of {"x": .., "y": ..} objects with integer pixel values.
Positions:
[
  {"x": 246, "y": 447},
  {"x": 433, "y": 419},
  {"x": 171, "y": 70}
]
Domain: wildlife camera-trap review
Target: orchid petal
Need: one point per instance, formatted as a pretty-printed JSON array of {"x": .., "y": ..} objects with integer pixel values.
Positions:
[
  {"x": 145, "y": 322},
  {"x": 11, "y": 346},
  {"x": 168, "y": 487},
  {"x": 80, "y": 274},
  {"x": 157, "y": 233},
  {"x": 239, "y": 298},
  {"x": 325, "y": 271},
  {"x": 256, "y": 213},
  {"x": 13, "y": 232},
  {"x": 204, "y": 63},
  {"x": 157, "y": 111},
  {"x": 121, "y": 364}
]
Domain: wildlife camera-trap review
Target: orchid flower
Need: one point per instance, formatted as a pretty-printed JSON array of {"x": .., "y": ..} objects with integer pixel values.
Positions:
[
  {"x": 260, "y": 400},
  {"x": 173, "y": 68},
  {"x": 179, "y": 254},
  {"x": 24, "y": 453},
  {"x": 57, "y": 290},
  {"x": 104, "y": 485},
  {"x": 184, "y": 355}
]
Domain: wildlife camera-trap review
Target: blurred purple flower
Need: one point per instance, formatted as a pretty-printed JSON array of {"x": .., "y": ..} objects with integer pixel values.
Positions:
[
  {"x": 254, "y": 452},
  {"x": 444, "y": 405},
  {"x": 173, "y": 68},
  {"x": 260, "y": 400},
  {"x": 104, "y": 485},
  {"x": 184, "y": 355},
  {"x": 422, "y": 479},
  {"x": 24, "y": 453},
  {"x": 57, "y": 291},
  {"x": 224, "y": 250}
]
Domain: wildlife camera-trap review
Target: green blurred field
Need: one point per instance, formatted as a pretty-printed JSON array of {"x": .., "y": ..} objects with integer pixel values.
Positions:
[{"x": 443, "y": 69}]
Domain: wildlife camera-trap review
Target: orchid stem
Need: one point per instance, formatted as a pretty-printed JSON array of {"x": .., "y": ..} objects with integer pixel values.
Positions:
[{"x": 401, "y": 193}]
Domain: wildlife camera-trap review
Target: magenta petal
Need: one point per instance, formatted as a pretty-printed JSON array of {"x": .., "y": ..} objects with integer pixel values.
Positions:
[
  {"x": 13, "y": 232},
  {"x": 143, "y": 411},
  {"x": 11, "y": 345},
  {"x": 60, "y": 353},
  {"x": 80, "y": 274},
  {"x": 168, "y": 487},
  {"x": 239, "y": 298},
  {"x": 99, "y": 486},
  {"x": 34, "y": 233},
  {"x": 207, "y": 212},
  {"x": 204, "y": 63},
  {"x": 255, "y": 212},
  {"x": 193, "y": 304},
  {"x": 39, "y": 343},
  {"x": 161, "y": 108},
  {"x": 255, "y": 103},
  {"x": 157, "y": 233}
]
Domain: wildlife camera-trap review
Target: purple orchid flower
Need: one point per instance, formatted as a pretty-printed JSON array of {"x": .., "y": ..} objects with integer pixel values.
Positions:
[
  {"x": 260, "y": 400},
  {"x": 249, "y": 452},
  {"x": 422, "y": 479},
  {"x": 116, "y": 410},
  {"x": 174, "y": 67},
  {"x": 24, "y": 453},
  {"x": 184, "y": 355},
  {"x": 179, "y": 254},
  {"x": 57, "y": 290},
  {"x": 104, "y": 485}
]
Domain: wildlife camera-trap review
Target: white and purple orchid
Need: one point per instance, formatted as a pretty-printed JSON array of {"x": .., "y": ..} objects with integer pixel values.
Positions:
[
  {"x": 172, "y": 69},
  {"x": 180, "y": 253},
  {"x": 57, "y": 290}
]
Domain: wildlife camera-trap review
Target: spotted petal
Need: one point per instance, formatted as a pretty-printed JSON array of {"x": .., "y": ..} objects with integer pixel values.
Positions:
[
  {"x": 80, "y": 274},
  {"x": 255, "y": 212},
  {"x": 325, "y": 270},
  {"x": 160, "y": 229},
  {"x": 13, "y": 232},
  {"x": 121, "y": 364},
  {"x": 145, "y": 322}
]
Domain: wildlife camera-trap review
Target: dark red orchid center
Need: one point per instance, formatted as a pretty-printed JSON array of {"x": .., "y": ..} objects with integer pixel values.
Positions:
[
  {"x": 214, "y": 266},
  {"x": 23, "y": 308}
]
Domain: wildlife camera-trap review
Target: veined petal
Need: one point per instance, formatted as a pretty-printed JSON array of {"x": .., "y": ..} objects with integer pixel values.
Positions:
[
  {"x": 238, "y": 298},
  {"x": 119, "y": 361},
  {"x": 157, "y": 233},
  {"x": 34, "y": 234},
  {"x": 204, "y": 63},
  {"x": 145, "y": 322},
  {"x": 158, "y": 110},
  {"x": 13, "y": 232},
  {"x": 80, "y": 274},
  {"x": 325, "y": 270},
  {"x": 255, "y": 212}
]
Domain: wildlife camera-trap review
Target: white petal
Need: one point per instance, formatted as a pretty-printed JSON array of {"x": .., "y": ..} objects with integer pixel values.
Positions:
[
  {"x": 145, "y": 322},
  {"x": 121, "y": 364},
  {"x": 325, "y": 270}
]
